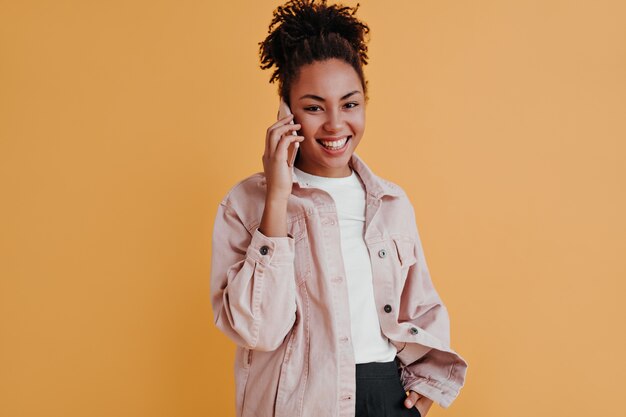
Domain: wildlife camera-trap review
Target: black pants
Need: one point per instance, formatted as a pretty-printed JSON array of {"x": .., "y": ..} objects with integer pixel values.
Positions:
[{"x": 379, "y": 391}]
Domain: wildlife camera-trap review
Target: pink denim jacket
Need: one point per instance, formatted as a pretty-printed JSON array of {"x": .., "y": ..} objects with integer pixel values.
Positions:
[{"x": 284, "y": 301}]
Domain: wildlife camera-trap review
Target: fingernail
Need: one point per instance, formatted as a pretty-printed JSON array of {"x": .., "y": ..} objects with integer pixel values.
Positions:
[{"x": 408, "y": 403}]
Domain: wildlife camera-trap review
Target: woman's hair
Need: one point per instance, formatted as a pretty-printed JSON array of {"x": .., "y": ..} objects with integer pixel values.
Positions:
[{"x": 304, "y": 31}]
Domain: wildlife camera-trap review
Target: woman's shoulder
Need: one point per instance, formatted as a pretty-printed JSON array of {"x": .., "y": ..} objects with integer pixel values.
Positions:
[
  {"x": 388, "y": 187},
  {"x": 246, "y": 190},
  {"x": 245, "y": 199},
  {"x": 374, "y": 181},
  {"x": 397, "y": 196},
  {"x": 393, "y": 187}
]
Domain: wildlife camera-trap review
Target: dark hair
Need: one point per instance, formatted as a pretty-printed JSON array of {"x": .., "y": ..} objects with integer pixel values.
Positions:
[{"x": 304, "y": 31}]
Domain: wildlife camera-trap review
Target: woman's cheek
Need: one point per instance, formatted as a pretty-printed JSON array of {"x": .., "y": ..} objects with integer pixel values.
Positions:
[{"x": 306, "y": 131}]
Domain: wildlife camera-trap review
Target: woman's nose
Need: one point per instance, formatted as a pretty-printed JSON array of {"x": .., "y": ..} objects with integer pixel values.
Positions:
[{"x": 333, "y": 121}]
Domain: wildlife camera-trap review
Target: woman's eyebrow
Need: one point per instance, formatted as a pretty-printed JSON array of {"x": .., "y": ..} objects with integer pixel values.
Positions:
[{"x": 314, "y": 97}]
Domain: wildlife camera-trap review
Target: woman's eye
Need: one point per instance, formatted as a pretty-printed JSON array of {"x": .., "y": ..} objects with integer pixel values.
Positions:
[{"x": 350, "y": 105}]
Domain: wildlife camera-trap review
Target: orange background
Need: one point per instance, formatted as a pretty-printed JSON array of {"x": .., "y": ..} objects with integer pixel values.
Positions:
[{"x": 123, "y": 123}]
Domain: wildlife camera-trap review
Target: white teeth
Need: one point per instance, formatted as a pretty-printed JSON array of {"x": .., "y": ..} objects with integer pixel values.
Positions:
[{"x": 337, "y": 144}]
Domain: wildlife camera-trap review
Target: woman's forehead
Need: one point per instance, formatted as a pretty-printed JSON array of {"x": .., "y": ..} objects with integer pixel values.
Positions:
[
  {"x": 327, "y": 79},
  {"x": 353, "y": 93}
]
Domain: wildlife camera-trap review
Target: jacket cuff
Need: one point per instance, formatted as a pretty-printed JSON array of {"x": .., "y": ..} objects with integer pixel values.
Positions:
[
  {"x": 442, "y": 391},
  {"x": 443, "y": 395},
  {"x": 271, "y": 250}
]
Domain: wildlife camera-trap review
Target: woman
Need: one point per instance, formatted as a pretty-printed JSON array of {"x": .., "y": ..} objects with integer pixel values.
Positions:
[{"x": 318, "y": 272}]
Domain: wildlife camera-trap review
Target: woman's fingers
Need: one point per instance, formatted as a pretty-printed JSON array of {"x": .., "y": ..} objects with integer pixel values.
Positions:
[
  {"x": 280, "y": 122},
  {"x": 411, "y": 399},
  {"x": 277, "y": 139},
  {"x": 277, "y": 133},
  {"x": 285, "y": 142},
  {"x": 269, "y": 134},
  {"x": 418, "y": 401}
]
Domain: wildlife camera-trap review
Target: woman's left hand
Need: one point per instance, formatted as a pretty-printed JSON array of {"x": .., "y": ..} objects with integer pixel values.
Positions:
[{"x": 418, "y": 401}]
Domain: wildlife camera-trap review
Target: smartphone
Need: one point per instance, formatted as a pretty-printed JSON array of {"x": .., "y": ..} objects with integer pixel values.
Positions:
[{"x": 292, "y": 150}]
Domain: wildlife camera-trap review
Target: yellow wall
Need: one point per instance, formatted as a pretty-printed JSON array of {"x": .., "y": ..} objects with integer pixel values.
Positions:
[{"x": 123, "y": 123}]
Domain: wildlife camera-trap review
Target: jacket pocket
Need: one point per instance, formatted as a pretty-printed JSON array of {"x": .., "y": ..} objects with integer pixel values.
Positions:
[
  {"x": 247, "y": 357},
  {"x": 289, "y": 347},
  {"x": 294, "y": 369},
  {"x": 241, "y": 383},
  {"x": 405, "y": 250}
]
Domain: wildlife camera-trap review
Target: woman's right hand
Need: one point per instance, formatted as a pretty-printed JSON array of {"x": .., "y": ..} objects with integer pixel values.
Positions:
[{"x": 277, "y": 171}]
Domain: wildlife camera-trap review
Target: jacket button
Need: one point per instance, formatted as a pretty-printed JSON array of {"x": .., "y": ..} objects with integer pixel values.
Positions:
[
  {"x": 264, "y": 250},
  {"x": 413, "y": 330},
  {"x": 382, "y": 253},
  {"x": 387, "y": 308}
]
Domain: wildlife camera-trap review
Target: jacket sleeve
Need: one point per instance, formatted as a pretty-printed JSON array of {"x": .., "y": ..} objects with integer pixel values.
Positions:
[
  {"x": 440, "y": 373},
  {"x": 253, "y": 291}
]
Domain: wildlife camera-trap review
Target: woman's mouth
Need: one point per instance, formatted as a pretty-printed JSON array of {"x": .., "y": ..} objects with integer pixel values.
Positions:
[{"x": 334, "y": 146}]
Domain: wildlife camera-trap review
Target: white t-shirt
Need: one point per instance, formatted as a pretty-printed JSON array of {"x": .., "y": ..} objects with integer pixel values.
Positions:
[{"x": 368, "y": 341}]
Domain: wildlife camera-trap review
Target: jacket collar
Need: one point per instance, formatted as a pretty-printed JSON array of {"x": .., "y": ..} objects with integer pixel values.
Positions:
[{"x": 374, "y": 185}]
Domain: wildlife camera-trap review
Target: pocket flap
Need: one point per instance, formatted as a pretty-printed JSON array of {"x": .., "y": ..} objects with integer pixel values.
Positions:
[{"x": 406, "y": 251}]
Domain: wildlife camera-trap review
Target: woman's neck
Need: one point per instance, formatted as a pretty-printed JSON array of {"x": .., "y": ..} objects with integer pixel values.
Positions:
[{"x": 339, "y": 172}]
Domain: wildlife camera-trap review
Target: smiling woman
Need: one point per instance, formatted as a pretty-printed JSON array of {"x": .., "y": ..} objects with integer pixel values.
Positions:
[
  {"x": 318, "y": 272},
  {"x": 333, "y": 121}
]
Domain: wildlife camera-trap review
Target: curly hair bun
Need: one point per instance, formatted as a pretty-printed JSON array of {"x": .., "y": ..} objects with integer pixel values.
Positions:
[{"x": 304, "y": 31}]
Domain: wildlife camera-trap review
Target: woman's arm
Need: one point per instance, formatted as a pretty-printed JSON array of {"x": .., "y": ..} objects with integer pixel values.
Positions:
[
  {"x": 440, "y": 373},
  {"x": 253, "y": 292},
  {"x": 253, "y": 288}
]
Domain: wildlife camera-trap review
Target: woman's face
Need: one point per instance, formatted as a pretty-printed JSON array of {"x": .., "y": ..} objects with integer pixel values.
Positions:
[{"x": 327, "y": 100}]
